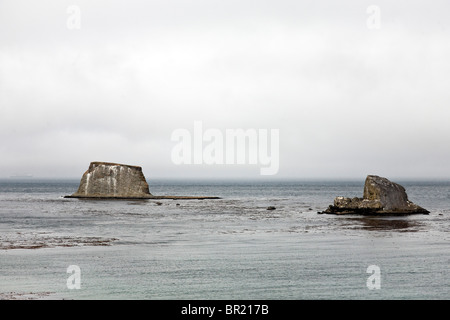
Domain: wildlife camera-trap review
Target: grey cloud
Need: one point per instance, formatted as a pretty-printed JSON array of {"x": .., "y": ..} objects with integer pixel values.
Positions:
[{"x": 347, "y": 100}]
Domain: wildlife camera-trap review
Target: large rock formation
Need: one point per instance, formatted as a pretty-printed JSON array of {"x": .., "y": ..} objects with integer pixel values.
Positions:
[
  {"x": 380, "y": 196},
  {"x": 113, "y": 180},
  {"x": 106, "y": 180}
]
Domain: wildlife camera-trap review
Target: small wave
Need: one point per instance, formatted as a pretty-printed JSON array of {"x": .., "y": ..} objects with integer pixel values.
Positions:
[
  {"x": 25, "y": 295},
  {"x": 42, "y": 240}
]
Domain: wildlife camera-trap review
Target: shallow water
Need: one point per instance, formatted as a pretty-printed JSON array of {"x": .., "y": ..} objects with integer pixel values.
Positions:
[{"x": 231, "y": 248}]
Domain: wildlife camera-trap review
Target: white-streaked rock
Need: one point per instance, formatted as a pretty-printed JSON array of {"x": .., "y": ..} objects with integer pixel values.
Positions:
[{"x": 113, "y": 180}]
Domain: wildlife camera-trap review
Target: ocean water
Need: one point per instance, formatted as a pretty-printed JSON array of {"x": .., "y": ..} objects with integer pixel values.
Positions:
[{"x": 230, "y": 248}]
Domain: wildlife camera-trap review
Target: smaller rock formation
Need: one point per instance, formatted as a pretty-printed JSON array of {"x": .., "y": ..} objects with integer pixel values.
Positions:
[{"x": 380, "y": 197}]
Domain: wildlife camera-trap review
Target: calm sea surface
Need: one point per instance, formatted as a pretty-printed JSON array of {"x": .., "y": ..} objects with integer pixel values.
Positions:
[{"x": 231, "y": 248}]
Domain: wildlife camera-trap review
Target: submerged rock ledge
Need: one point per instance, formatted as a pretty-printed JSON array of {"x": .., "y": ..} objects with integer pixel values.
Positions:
[
  {"x": 108, "y": 180},
  {"x": 380, "y": 197}
]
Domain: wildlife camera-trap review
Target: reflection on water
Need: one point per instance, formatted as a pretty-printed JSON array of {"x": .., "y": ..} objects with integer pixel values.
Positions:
[{"x": 386, "y": 224}]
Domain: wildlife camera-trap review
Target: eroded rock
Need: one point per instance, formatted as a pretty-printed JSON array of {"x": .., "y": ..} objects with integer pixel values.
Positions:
[
  {"x": 107, "y": 180},
  {"x": 380, "y": 196},
  {"x": 113, "y": 180}
]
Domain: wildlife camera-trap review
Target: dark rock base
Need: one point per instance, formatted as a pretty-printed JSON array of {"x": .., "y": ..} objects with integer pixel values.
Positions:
[
  {"x": 143, "y": 198},
  {"x": 380, "y": 197},
  {"x": 371, "y": 212}
]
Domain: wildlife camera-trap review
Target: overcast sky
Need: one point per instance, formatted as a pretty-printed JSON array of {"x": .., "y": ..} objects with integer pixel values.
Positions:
[{"x": 113, "y": 83}]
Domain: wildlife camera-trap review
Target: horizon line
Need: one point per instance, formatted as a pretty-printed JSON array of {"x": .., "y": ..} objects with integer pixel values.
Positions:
[{"x": 262, "y": 178}]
